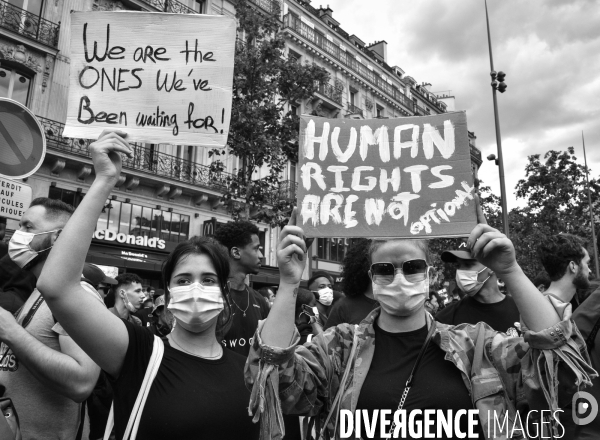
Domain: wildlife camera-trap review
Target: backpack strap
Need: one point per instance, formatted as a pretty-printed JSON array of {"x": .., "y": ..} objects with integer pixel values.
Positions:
[
  {"x": 338, "y": 398},
  {"x": 138, "y": 407}
]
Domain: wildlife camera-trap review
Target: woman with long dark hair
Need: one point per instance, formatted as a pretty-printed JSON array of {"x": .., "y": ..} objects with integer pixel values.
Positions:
[{"x": 198, "y": 390}]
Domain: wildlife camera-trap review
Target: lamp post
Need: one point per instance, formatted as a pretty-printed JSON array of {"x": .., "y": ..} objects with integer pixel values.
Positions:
[
  {"x": 498, "y": 84},
  {"x": 587, "y": 180}
]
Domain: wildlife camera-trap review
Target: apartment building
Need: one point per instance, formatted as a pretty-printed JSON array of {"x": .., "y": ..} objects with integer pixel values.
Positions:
[{"x": 168, "y": 193}]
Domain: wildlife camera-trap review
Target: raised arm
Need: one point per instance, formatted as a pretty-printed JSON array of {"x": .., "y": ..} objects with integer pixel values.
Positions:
[
  {"x": 494, "y": 250},
  {"x": 291, "y": 256},
  {"x": 95, "y": 329}
]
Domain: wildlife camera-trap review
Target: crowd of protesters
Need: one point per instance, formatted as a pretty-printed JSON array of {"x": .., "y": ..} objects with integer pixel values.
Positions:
[{"x": 230, "y": 362}]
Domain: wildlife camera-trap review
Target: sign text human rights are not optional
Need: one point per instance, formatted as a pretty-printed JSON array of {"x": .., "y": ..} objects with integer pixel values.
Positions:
[{"x": 403, "y": 177}]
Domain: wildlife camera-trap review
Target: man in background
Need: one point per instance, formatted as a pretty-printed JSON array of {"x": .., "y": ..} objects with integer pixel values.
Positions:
[
  {"x": 129, "y": 297},
  {"x": 248, "y": 306}
]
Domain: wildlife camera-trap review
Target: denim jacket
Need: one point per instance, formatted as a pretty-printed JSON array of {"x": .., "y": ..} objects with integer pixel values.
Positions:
[{"x": 502, "y": 374}]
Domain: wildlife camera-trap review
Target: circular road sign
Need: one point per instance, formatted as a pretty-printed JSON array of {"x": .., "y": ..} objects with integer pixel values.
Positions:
[{"x": 22, "y": 140}]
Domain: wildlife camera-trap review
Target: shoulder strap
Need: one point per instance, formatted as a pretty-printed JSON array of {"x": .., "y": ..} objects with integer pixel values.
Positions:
[
  {"x": 34, "y": 308},
  {"x": 591, "y": 339},
  {"x": 138, "y": 407},
  {"x": 338, "y": 396}
]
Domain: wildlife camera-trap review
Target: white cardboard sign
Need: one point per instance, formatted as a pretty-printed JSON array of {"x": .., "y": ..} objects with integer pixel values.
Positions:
[
  {"x": 15, "y": 198},
  {"x": 162, "y": 78}
]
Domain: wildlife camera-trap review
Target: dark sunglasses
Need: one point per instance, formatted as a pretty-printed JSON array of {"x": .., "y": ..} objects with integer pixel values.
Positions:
[{"x": 413, "y": 270}]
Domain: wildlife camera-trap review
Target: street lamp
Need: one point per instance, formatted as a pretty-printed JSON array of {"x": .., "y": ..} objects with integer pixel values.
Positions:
[{"x": 499, "y": 85}]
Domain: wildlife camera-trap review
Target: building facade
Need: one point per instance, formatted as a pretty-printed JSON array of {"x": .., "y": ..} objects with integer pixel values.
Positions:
[{"x": 168, "y": 193}]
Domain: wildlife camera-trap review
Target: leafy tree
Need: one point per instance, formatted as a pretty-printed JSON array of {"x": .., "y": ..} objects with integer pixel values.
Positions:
[{"x": 263, "y": 132}]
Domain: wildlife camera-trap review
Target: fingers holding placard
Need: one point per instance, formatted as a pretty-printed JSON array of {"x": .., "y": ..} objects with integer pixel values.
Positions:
[
  {"x": 105, "y": 153},
  {"x": 291, "y": 252},
  {"x": 492, "y": 249}
]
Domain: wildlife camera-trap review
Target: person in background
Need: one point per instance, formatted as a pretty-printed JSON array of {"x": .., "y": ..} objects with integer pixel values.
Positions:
[
  {"x": 268, "y": 294},
  {"x": 432, "y": 304},
  {"x": 162, "y": 323},
  {"x": 321, "y": 284},
  {"x": 356, "y": 285},
  {"x": 98, "y": 279},
  {"x": 199, "y": 386},
  {"x": 542, "y": 281},
  {"x": 243, "y": 246},
  {"x": 565, "y": 260},
  {"x": 45, "y": 373},
  {"x": 152, "y": 294},
  {"x": 307, "y": 316},
  {"x": 483, "y": 301},
  {"x": 3, "y": 245},
  {"x": 129, "y": 297}
]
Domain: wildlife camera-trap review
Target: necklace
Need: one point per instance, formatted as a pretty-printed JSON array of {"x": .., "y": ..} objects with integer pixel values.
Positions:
[
  {"x": 240, "y": 309},
  {"x": 172, "y": 339}
]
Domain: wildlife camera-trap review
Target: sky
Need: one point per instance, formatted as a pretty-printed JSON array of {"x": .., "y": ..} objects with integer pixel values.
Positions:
[{"x": 549, "y": 50}]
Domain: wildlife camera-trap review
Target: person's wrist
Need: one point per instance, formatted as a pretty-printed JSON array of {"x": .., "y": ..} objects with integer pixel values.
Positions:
[{"x": 511, "y": 271}]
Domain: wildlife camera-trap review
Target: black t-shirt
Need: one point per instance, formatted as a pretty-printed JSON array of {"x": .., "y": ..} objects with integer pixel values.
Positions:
[
  {"x": 437, "y": 384},
  {"x": 145, "y": 315},
  {"x": 239, "y": 337},
  {"x": 350, "y": 310},
  {"x": 501, "y": 316},
  {"x": 190, "y": 397}
]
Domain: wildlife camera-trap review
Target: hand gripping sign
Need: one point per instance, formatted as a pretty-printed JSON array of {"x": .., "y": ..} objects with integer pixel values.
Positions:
[
  {"x": 162, "y": 78},
  {"x": 404, "y": 177}
]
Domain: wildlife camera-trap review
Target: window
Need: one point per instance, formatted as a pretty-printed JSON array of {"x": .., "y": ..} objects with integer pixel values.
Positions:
[
  {"x": 352, "y": 98},
  {"x": 200, "y": 6},
  {"x": 379, "y": 111},
  {"x": 32, "y": 6},
  {"x": 130, "y": 219},
  {"x": 294, "y": 56},
  {"x": 294, "y": 110},
  {"x": 14, "y": 85}
]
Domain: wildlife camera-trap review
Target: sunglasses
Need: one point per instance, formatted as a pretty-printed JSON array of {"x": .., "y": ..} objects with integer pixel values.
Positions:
[{"x": 413, "y": 270}]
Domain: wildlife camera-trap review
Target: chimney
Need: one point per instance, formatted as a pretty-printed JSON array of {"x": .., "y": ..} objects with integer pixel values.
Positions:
[{"x": 380, "y": 48}]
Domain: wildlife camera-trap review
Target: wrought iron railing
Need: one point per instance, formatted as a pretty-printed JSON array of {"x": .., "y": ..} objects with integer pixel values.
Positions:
[
  {"x": 421, "y": 111},
  {"x": 271, "y": 6},
  {"x": 178, "y": 8},
  {"x": 354, "y": 110},
  {"x": 28, "y": 24},
  {"x": 161, "y": 164},
  {"x": 330, "y": 92},
  {"x": 346, "y": 58}
]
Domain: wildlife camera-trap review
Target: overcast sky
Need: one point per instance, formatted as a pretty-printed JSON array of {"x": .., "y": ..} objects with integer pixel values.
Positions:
[{"x": 550, "y": 50}]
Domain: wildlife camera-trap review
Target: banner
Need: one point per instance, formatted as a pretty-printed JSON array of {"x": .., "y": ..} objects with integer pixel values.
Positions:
[
  {"x": 162, "y": 78},
  {"x": 404, "y": 177}
]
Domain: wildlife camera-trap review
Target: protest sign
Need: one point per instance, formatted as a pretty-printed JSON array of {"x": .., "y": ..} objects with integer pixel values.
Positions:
[
  {"x": 15, "y": 198},
  {"x": 162, "y": 78},
  {"x": 404, "y": 177}
]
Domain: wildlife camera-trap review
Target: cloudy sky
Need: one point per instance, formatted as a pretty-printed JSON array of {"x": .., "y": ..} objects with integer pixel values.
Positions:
[{"x": 550, "y": 50}]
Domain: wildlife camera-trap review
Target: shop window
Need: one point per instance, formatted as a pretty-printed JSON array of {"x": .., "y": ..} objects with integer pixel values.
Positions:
[
  {"x": 14, "y": 85},
  {"x": 332, "y": 249}
]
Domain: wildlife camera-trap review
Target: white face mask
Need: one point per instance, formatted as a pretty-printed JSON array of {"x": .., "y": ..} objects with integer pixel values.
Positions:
[
  {"x": 325, "y": 296},
  {"x": 128, "y": 304},
  {"x": 402, "y": 298},
  {"x": 20, "y": 251},
  {"x": 467, "y": 281},
  {"x": 196, "y": 306}
]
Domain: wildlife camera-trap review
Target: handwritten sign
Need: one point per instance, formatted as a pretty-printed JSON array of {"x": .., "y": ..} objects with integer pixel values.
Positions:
[
  {"x": 15, "y": 198},
  {"x": 162, "y": 78},
  {"x": 403, "y": 177}
]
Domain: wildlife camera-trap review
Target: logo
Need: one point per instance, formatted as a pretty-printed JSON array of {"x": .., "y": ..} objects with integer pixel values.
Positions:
[
  {"x": 585, "y": 408},
  {"x": 138, "y": 240}
]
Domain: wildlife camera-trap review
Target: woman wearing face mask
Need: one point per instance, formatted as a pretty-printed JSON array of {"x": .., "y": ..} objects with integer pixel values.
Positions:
[
  {"x": 451, "y": 367},
  {"x": 198, "y": 390},
  {"x": 321, "y": 284}
]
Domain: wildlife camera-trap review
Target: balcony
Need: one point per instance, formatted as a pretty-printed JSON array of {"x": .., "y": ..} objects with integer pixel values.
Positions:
[
  {"x": 346, "y": 59},
  {"x": 144, "y": 159},
  {"x": 271, "y": 6},
  {"x": 421, "y": 111},
  {"x": 176, "y": 7},
  {"x": 28, "y": 24},
  {"x": 475, "y": 154},
  {"x": 329, "y": 91},
  {"x": 156, "y": 163},
  {"x": 354, "y": 110}
]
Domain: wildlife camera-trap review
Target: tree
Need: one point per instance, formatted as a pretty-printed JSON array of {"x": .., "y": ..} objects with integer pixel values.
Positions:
[
  {"x": 263, "y": 132},
  {"x": 555, "y": 193}
]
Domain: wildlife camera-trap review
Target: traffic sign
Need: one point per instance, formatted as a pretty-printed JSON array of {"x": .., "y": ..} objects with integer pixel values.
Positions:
[
  {"x": 15, "y": 198},
  {"x": 22, "y": 140}
]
